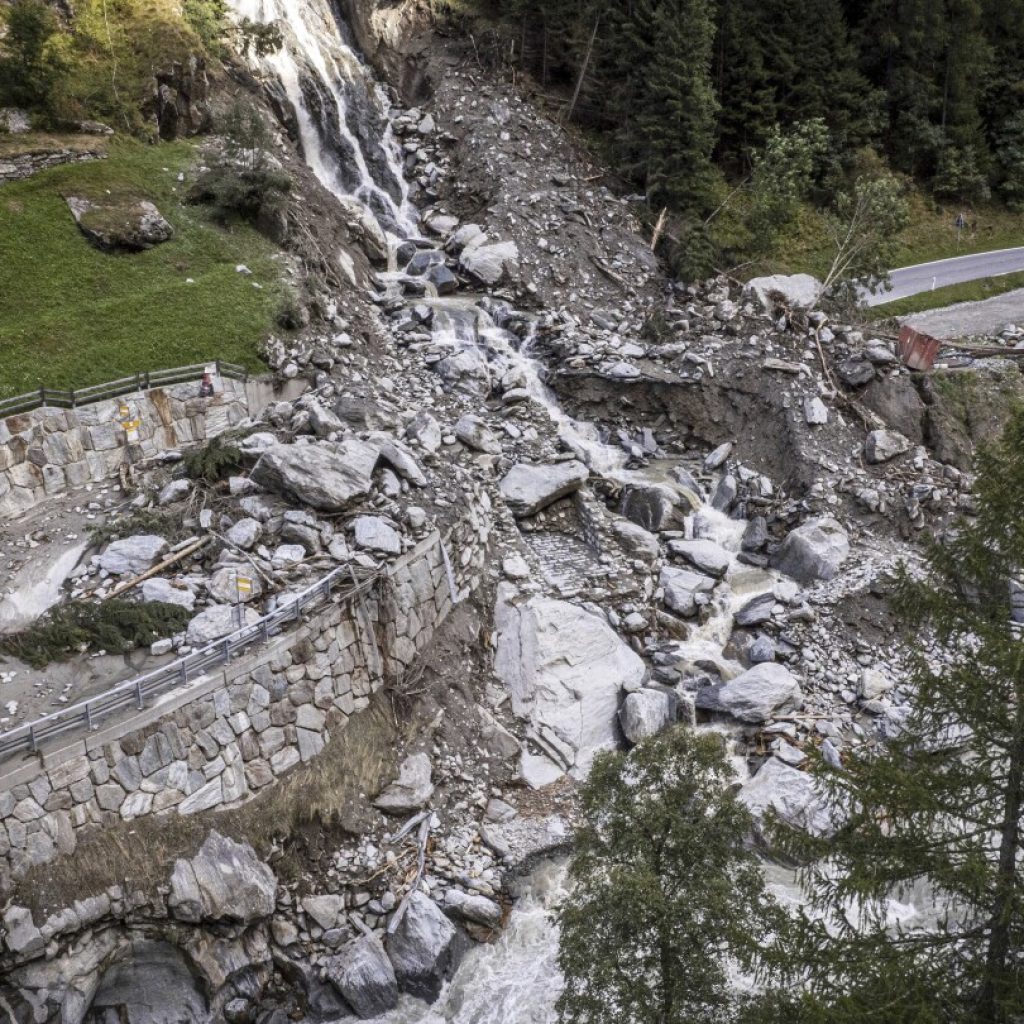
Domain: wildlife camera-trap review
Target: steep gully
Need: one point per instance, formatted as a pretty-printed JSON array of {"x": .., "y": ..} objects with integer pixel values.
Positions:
[{"x": 343, "y": 128}]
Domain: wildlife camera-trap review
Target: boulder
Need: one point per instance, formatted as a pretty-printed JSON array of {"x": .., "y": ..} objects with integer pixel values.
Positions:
[
  {"x": 883, "y": 445},
  {"x": 474, "y": 433},
  {"x": 23, "y": 938},
  {"x": 527, "y": 488},
  {"x": 224, "y": 586},
  {"x": 402, "y": 461},
  {"x": 327, "y": 476},
  {"x": 328, "y": 911},
  {"x": 174, "y": 491},
  {"x": 564, "y": 668},
  {"x": 426, "y": 430},
  {"x": 704, "y": 555},
  {"x": 119, "y": 224},
  {"x": 645, "y": 713},
  {"x": 217, "y": 622},
  {"x": 473, "y": 908},
  {"x": 245, "y": 533},
  {"x": 814, "y": 551},
  {"x": 132, "y": 555},
  {"x": 422, "y": 948},
  {"x": 490, "y": 263},
  {"x": 754, "y": 696},
  {"x": 791, "y": 794},
  {"x": 411, "y": 790},
  {"x": 684, "y": 590},
  {"x": 794, "y": 291},
  {"x": 225, "y": 881},
  {"x": 375, "y": 534},
  {"x": 756, "y": 610},
  {"x": 636, "y": 541},
  {"x": 363, "y": 975},
  {"x": 164, "y": 592}
]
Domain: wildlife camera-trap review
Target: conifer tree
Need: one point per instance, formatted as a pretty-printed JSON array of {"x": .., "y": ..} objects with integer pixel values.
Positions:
[
  {"x": 676, "y": 120},
  {"x": 937, "y": 814},
  {"x": 664, "y": 890}
]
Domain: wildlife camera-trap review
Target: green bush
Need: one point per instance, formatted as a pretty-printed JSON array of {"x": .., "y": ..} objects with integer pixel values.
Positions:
[
  {"x": 114, "y": 626},
  {"x": 30, "y": 65},
  {"x": 243, "y": 184},
  {"x": 215, "y": 460}
]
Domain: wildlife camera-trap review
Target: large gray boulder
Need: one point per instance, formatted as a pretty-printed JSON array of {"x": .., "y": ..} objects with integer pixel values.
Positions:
[
  {"x": 754, "y": 696},
  {"x": 704, "y": 555},
  {"x": 490, "y": 263},
  {"x": 217, "y": 622},
  {"x": 132, "y": 555},
  {"x": 883, "y": 445},
  {"x": 814, "y": 551},
  {"x": 119, "y": 224},
  {"x": 795, "y": 291},
  {"x": 646, "y": 712},
  {"x": 423, "y": 948},
  {"x": 474, "y": 433},
  {"x": 372, "y": 533},
  {"x": 411, "y": 790},
  {"x": 327, "y": 476},
  {"x": 164, "y": 592},
  {"x": 224, "y": 881},
  {"x": 684, "y": 590},
  {"x": 527, "y": 488},
  {"x": 791, "y": 794},
  {"x": 564, "y": 668},
  {"x": 363, "y": 975}
]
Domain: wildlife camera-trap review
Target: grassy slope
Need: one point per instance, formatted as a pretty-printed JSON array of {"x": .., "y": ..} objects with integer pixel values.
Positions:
[
  {"x": 931, "y": 235},
  {"x": 71, "y": 315}
]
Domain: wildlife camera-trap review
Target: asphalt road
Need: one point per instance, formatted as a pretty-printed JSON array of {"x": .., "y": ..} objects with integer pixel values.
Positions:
[{"x": 925, "y": 277}]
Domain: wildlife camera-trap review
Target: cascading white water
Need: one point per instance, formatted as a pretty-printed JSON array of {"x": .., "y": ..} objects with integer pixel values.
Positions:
[
  {"x": 513, "y": 981},
  {"x": 339, "y": 109}
]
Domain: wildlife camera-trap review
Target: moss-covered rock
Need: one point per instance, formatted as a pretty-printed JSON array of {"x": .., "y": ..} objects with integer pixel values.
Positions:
[{"x": 120, "y": 224}]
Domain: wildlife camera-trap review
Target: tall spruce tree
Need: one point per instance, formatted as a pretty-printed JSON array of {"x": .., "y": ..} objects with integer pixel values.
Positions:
[
  {"x": 940, "y": 808},
  {"x": 665, "y": 897},
  {"x": 676, "y": 118}
]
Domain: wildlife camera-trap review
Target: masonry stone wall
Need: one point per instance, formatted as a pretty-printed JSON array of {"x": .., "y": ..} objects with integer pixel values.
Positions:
[
  {"x": 48, "y": 451},
  {"x": 226, "y": 736},
  {"x": 24, "y": 165}
]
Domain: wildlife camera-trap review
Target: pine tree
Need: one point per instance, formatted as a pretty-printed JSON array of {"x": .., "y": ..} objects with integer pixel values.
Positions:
[
  {"x": 663, "y": 889},
  {"x": 675, "y": 124},
  {"x": 940, "y": 809}
]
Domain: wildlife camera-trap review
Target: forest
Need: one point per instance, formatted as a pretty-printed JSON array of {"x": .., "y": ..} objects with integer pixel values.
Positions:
[{"x": 785, "y": 100}]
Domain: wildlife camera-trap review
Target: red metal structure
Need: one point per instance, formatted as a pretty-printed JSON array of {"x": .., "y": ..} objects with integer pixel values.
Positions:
[{"x": 918, "y": 350}]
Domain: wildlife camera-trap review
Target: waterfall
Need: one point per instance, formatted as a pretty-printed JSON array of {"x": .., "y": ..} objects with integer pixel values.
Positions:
[{"x": 340, "y": 110}]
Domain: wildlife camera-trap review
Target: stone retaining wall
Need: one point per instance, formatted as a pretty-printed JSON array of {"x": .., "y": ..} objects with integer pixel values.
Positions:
[
  {"x": 48, "y": 451},
  {"x": 24, "y": 165},
  {"x": 226, "y": 736}
]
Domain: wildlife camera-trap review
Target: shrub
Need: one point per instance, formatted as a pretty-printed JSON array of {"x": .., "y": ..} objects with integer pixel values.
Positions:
[
  {"x": 31, "y": 64},
  {"x": 215, "y": 460},
  {"x": 244, "y": 184},
  {"x": 114, "y": 626}
]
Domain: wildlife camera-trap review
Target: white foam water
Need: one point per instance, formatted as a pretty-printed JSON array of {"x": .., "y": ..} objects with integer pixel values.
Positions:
[{"x": 313, "y": 44}]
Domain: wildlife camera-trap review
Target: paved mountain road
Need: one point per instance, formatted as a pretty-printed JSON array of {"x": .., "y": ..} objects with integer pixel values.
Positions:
[{"x": 925, "y": 277}]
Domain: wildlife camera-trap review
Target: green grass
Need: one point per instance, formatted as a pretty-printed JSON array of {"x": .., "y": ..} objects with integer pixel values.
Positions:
[
  {"x": 931, "y": 235},
  {"x": 968, "y": 291},
  {"x": 71, "y": 315}
]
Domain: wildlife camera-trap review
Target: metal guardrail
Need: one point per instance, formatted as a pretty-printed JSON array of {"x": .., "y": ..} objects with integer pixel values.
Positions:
[
  {"x": 191, "y": 666},
  {"x": 113, "y": 389}
]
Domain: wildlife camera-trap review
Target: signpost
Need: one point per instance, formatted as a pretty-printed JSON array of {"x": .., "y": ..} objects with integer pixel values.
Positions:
[{"x": 243, "y": 588}]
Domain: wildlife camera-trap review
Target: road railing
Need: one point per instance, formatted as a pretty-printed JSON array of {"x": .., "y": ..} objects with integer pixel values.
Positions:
[
  {"x": 343, "y": 584},
  {"x": 53, "y": 397}
]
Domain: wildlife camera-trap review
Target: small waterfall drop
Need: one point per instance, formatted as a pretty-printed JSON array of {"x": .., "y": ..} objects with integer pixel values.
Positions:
[{"x": 340, "y": 110}]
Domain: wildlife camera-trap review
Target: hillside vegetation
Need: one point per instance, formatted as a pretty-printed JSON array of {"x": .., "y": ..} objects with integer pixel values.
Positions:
[
  {"x": 82, "y": 316},
  {"x": 765, "y": 129}
]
